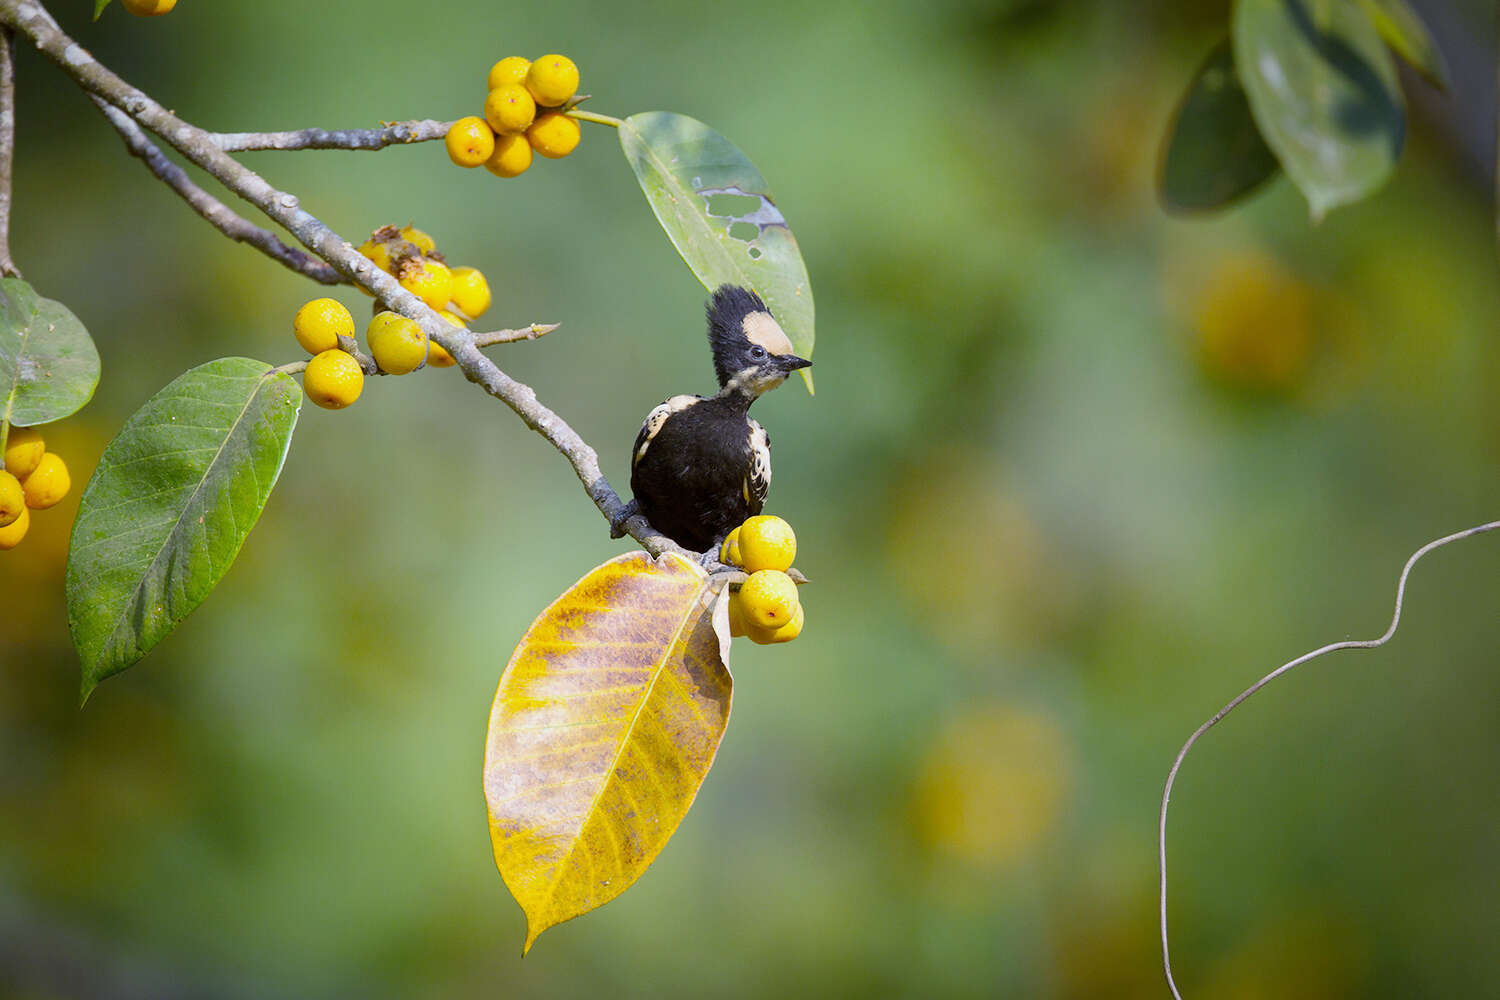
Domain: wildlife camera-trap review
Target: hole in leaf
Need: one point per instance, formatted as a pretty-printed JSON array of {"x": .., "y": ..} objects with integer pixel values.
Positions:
[
  {"x": 732, "y": 206},
  {"x": 746, "y": 231},
  {"x": 755, "y": 253}
]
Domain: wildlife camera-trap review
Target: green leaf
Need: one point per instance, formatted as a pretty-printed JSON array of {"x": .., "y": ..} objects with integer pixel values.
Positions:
[
  {"x": 718, "y": 211},
  {"x": 1214, "y": 154},
  {"x": 1403, "y": 31},
  {"x": 1324, "y": 92},
  {"x": 99, "y": 6},
  {"x": 48, "y": 364},
  {"x": 170, "y": 504}
]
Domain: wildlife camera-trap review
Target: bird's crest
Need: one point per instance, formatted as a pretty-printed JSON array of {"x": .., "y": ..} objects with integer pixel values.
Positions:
[{"x": 738, "y": 318}]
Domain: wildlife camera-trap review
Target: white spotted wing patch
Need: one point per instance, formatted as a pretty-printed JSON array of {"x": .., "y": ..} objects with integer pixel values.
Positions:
[
  {"x": 758, "y": 483},
  {"x": 655, "y": 420}
]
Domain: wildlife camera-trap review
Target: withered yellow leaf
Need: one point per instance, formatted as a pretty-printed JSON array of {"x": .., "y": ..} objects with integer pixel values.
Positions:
[{"x": 605, "y": 724}]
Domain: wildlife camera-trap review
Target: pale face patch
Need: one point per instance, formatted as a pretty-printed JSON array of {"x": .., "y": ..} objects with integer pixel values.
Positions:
[
  {"x": 761, "y": 328},
  {"x": 755, "y": 381}
]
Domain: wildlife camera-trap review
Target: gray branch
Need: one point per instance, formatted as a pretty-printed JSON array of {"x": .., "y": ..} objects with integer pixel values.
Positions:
[
  {"x": 394, "y": 134},
  {"x": 29, "y": 19},
  {"x": 531, "y": 332},
  {"x": 211, "y": 209}
]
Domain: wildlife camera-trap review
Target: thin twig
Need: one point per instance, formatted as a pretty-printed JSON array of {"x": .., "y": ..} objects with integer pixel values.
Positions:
[
  {"x": 214, "y": 211},
  {"x": 350, "y": 346},
  {"x": 393, "y": 134},
  {"x": 1166, "y": 795},
  {"x": 531, "y": 332},
  {"x": 30, "y": 19},
  {"x": 7, "y": 145}
]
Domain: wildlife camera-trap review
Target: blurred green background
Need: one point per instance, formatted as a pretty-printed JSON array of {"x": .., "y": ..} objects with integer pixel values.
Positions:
[{"x": 1075, "y": 474}]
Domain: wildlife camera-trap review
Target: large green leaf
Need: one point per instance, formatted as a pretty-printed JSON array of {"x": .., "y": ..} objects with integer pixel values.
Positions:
[
  {"x": 1324, "y": 92},
  {"x": 1214, "y": 154},
  {"x": 1404, "y": 31},
  {"x": 718, "y": 211},
  {"x": 48, "y": 364},
  {"x": 172, "y": 500}
]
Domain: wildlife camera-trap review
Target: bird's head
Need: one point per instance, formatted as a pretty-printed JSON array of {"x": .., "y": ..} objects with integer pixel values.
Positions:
[{"x": 751, "y": 351}]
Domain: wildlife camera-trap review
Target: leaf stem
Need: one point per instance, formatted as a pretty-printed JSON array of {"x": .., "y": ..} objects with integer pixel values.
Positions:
[{"x": 591, "y": 116}]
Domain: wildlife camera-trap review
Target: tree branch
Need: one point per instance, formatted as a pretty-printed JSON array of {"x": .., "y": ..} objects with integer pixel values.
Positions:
[
  {"x": 7, "y": 145},
  {"x": 392, "y": 134},
  {"x": 31, "y": 20},
  {"x": 211, "y": 209}
]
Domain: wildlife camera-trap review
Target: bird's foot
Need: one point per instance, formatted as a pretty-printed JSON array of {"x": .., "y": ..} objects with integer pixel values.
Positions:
[{"x": 617, "y": 526}]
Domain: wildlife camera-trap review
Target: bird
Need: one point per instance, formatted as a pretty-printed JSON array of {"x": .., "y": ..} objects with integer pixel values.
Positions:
[{"x": 700, "y": 465}]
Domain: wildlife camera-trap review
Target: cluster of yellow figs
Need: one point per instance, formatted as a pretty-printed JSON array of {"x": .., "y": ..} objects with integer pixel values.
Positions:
[
  {"x": 334, "y": 378},
  {"x": 32, "y": 478},
  {"x": 524, "y": 112},
  {"x": 148, "y": 8},
  {"x": 766, "y": 608}
]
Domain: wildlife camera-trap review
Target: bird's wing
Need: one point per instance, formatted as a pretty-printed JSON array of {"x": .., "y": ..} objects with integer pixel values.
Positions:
[
  {"x": 655, "y": 420},
  {"x": 758, "y": 481}
]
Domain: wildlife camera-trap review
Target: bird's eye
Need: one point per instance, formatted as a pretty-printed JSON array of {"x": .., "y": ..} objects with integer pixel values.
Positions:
[{"x": 758, "y": 353}]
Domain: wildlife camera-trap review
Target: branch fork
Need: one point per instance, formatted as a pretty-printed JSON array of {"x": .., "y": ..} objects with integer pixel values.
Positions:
[{"x": 328, "y": 257}]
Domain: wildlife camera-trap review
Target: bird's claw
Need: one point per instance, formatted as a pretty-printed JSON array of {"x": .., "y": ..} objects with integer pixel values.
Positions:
[{"x": 617, "y": 526}]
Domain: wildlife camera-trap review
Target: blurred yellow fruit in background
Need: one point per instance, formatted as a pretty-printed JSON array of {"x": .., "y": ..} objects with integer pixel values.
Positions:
[
  {"x": 992, "y": 785},
  {"x": 1255, "y": 325}
]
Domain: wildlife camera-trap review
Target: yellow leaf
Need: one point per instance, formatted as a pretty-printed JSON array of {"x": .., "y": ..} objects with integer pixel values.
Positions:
[{"x": 605, "y": 724}]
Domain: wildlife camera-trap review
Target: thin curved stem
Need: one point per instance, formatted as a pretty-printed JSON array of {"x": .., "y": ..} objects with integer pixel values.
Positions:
[
  {"x": 391, "y": 134},
  {"x": 1166, "y": 795}
]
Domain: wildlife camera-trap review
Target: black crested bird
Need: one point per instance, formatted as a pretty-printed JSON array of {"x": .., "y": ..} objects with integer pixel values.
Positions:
[{"x": 700, "y": 465}]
